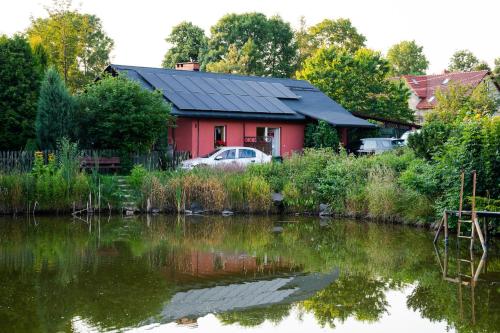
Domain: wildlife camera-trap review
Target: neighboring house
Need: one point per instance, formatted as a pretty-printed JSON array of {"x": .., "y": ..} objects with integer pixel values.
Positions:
[
  {"x": 424, "y": 87},
  {"x": 233, "y": 110}
]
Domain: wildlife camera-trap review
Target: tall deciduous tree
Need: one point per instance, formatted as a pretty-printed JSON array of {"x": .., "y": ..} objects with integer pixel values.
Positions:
[
  {"x": 407, "y": 58},
  {"x": 55, "y": 111},
  {"x": 117, "y": 113},
  {"x": 76, "y": 43},
  {"x": 339, "y": 33},
  {"x": 496, "y": 70},
  {"x": 358, "y": 82},
  {"x": 188, "y": 41},
  {"x": 19, "y": 84},
  {"x": 234, "y": 62},
  {"x": 463, "y": 61},
  {"x": 275, "y": 49}
]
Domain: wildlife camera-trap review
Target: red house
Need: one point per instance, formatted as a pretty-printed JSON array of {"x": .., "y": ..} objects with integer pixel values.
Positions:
[{"x": 232, "y": 110}]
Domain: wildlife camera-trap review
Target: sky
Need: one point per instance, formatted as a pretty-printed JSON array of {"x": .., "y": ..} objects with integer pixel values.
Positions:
[{"x": 139, "y": 28}]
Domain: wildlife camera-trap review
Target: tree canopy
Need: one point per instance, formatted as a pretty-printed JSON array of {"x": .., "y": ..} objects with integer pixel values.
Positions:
[
  {"x": 76, "y": 43},
  {"x": 407, "y": 58},
  {"x": 463, "y": 61},
  {"x": 274, "y": 50},
  {"x": 340, "y": 33},
  {"x": 188, "y": 41},
  {"x": 118, "y": 113},
  {"x": 20, "y": 73},
  {"x": 358, "y": 82},
  {"x": 55, "y": 111}
]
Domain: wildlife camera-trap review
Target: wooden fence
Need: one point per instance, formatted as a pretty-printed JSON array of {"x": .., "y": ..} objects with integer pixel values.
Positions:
[{"x": 23, "y": 160}]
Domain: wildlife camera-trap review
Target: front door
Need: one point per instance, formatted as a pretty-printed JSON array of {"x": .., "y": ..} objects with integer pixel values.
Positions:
[{"x": 275, "y": 135}]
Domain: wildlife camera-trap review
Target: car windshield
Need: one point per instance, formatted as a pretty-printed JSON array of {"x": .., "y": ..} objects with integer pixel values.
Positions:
[{"x": 211, "y": 153}]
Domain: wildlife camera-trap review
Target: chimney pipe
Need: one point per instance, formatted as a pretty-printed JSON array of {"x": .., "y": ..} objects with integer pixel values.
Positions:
[{"x": 188, "y": 66}]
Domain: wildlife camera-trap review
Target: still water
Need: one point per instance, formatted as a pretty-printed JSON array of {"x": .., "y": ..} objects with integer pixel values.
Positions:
[{"x": 237, "y": 274}]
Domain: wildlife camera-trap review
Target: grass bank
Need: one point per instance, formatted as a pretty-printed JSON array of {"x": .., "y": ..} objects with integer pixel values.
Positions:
[{"x": 395, "y": 187}]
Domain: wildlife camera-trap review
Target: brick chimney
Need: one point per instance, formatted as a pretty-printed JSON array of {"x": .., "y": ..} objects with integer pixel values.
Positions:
[
  {"x": 446, "y": 71},
  {"x": 188, "y": 66}
]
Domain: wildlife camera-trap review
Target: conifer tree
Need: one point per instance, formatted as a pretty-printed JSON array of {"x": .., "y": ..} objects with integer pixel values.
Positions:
[{"x": 54, "y": 112}]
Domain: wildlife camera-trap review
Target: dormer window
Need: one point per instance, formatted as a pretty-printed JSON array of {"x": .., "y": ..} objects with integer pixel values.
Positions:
[
  {"x": 414, "y": 81},
  {"x": 431, "y": 99},
  {"x": 445, "y": 81}
]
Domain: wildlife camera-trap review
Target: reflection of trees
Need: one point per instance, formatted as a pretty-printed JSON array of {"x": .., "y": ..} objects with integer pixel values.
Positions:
[
  {"x": 439, "y": 300},
  {"x": 121, "y": 273},
  {"x": 256, "y": 316},
  {"x": 351, "y": 295}
]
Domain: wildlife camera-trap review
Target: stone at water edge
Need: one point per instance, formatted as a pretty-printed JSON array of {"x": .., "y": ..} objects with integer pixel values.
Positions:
[
  {"x": 277, "y": 229},
  {"x": 227, "y": 213}
]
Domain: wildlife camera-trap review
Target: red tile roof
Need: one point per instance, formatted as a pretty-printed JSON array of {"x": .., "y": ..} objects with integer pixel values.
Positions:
[{"x": 425, "y": 86}]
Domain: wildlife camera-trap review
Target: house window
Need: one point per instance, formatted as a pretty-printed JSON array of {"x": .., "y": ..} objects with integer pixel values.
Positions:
[{"x": 219, "y": 136}]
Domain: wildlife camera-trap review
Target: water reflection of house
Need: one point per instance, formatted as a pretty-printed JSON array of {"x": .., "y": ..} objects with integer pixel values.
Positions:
[
  {"x": 186, "y": 306},
  {"x": 216, "y": 264}
]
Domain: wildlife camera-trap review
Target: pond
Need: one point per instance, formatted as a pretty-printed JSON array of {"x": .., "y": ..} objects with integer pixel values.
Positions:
[{"x": 237, "y": 274}]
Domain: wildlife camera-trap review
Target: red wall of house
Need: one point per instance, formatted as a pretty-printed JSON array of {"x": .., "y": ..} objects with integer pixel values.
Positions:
[{"x": 197, "y": 135}]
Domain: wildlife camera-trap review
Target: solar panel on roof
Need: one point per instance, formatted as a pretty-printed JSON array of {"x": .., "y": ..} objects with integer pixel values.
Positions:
[
  {"x": 210, "y": 102},
  {"x": 258, "y": 87},
  {"x": 171, "y": 83},
  {"x": 254, "y": 104},
  {"x": 285, "y": 92},
  {"x": 270, "y": 107},
  {"x": 234, "y": 89},
  {"x": 179, "y": 102},
  {"x": 279, "y": 105},
  {"x": 222, "y": 100},
  {"x": 188, "y": 83},
  {"x": 272, "y": 91},
  {"x": 221, "y": 89},
  {"x": 239, "y": 103},
  {"x": 152, "y": 79},
  {"x": 204, "y": 86},
  {"x": 243, "y": 85},
  {"x": 193, "y": 100}
]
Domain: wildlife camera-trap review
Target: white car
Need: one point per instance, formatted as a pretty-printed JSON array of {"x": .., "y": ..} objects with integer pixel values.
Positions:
[{"x": 228, "y": 156}]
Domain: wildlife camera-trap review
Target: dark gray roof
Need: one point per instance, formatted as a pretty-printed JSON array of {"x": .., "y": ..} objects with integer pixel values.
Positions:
[{"x": 213, "y": 95}]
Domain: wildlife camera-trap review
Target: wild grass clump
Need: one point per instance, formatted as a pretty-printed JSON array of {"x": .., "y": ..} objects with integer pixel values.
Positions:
[{"x": 212, "y": 190}]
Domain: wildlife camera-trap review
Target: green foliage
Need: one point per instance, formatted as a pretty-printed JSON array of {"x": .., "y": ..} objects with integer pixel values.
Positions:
[
  {"x": 358, "y": 82},
  {"x": 117, "y": 113},
  {"x": 273, "y": 52},
  {"x": 463, "y": 61},
  {"x": 496, "y": 71},
  {"x": 68, "y": 159},
  {"x": 235, "y": 62},
  {"x": 431, "y": 139},
  {"x": 19, "y": 84},
  {"x": 76, "y": 43},
  {"x": 320, "y": 135},
  {"x": 187, "y": 42},
  {"x": 55, "y": 112},
  {"x": 406, "y": 58},
  {"x": 338, "y": 33},
  {"x": 459, "y": 135},
  {"x": 458, "y": 102}
]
